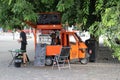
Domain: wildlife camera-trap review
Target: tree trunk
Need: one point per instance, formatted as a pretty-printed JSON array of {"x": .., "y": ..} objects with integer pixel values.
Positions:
[{"x": 91, "y": 17}]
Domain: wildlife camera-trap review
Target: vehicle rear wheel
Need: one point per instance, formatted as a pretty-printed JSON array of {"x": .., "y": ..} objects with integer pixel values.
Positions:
[{"x": 48, "y": 61}]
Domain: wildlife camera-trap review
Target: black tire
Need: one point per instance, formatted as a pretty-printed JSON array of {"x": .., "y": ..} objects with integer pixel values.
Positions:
[
  {"x": 48, "y": 61},
  {"x": 84, "y": 61}
]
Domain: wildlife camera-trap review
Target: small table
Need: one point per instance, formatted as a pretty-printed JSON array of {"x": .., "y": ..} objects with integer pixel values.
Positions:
[{"x": 14, "y": 53}]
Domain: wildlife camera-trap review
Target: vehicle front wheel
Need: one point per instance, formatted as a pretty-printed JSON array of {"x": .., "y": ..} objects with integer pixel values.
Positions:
[{"x": 84, "y": 61}]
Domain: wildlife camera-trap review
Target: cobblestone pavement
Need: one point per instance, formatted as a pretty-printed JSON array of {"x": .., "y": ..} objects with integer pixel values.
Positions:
[{"x": 90, "y": 71}]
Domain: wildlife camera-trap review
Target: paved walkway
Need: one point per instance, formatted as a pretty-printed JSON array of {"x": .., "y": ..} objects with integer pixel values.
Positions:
[{"x": 90, "y": 71}]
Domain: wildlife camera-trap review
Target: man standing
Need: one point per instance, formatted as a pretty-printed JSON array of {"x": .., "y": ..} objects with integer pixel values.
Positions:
[{"x": 23, "y": 42}]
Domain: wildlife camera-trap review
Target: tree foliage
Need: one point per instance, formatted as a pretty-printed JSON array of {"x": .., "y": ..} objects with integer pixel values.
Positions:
[
  {"x": 16, "y": 12},
  {"x": 109, "y": 25}
]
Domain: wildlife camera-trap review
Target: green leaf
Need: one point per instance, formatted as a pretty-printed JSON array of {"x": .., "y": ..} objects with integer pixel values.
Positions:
[{"x": 10, "y": 1}]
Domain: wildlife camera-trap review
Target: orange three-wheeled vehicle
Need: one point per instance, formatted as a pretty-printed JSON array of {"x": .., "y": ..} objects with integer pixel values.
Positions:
[{"x": 49, "y": 31}]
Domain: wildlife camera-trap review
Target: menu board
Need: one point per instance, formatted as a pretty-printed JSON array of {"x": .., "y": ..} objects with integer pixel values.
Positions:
[{"x": 40, "y": 55}]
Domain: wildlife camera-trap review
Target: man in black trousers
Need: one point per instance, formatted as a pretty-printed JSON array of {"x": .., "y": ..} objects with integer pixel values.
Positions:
[{"x": 23, "y": 41}]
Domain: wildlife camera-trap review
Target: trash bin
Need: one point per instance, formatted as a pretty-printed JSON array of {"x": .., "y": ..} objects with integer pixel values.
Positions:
[
  {"x": 92, "y": 49},
  {"x": 17, "y": 61}
]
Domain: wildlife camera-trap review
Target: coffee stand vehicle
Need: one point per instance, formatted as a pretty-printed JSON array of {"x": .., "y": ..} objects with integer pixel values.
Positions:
[{"x": 49, "y": 31}]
